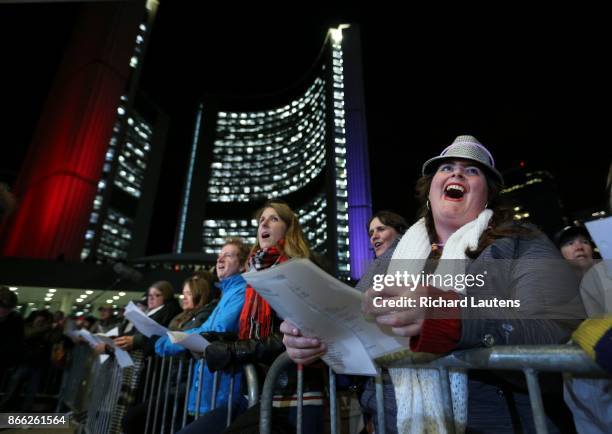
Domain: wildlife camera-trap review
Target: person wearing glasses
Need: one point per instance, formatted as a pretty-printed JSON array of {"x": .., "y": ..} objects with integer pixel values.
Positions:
[
  {"x": 161, "y": 307},
  {"x": 198, "y": 305}
]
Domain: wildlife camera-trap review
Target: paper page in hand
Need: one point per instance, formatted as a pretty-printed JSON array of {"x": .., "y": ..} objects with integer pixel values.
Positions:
[
  {"x": 92, "y": 340},
  {"x": 195, "y": 355},
  {"x": 322, "y": 296},
  {"x": 72, "y": 334},
  {"x": 123, "y": 357},
  {"x": 105, "y": 339},
  {"x": 142, "y": 322},
  {"x": 70, "y": 329},
  {"x": 601, "y": 233},
  {"x": 193, "y": 341},
  {"x": 345, "y": 352},
  {"x": 114, "y": 332}
]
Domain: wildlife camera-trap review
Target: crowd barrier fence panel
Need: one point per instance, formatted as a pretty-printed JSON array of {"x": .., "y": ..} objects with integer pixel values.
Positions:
[
  {"x": 104, "y": 392},
  {"x": 162, "y": 371},
  {"x": 95, "y": 387},
  {"x": 76, "y": 380},
  {"x": 530, "y": 359}
]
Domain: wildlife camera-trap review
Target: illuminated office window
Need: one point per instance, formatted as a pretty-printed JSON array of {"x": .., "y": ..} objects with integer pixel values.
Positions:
[
  {"x": 263, "y": 155},
  {"x": 293, "y": 149}
]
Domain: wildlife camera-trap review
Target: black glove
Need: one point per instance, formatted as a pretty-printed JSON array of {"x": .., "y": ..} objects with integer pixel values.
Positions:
[
  {"x": 219, "y": 336},
  {"x": 219, "y": 355},
  {"x": 263, "y": 351},
  {"x": 222, "y": 354},
  {"x": 353, "y": 383}
]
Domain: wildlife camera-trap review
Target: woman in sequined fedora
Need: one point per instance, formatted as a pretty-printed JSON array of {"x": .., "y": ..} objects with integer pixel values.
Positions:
[{"x": 460, "y": 221}]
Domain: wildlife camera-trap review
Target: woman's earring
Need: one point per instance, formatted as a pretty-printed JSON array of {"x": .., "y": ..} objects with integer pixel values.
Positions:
[
  {"x": 427, "y": 205},
  {"x": 486, "y": 205}
]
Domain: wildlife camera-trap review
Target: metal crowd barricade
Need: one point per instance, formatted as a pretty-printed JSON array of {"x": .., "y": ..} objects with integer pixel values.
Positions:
[
  {"x": 167, "y": 387},
  {"x": 530, "y": 359},
  {"x": 76, "y": 379},
  {"x": 97, "y": 387},
  {"x": 104, "y": 394}
]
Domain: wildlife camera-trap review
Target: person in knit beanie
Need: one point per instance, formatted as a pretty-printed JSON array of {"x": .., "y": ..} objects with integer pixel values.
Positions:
[
  {"x": 577, "y": 247},
  {"x": 595, "y": 337},
  {"x": 590, "y": 399}
]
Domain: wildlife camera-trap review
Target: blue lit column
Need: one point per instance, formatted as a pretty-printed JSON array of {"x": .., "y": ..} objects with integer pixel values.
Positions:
[{"x": 351, "y": 108}]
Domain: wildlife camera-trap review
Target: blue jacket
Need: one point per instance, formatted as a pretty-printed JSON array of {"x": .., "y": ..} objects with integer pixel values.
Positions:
[{"x": 224, "y": 318}]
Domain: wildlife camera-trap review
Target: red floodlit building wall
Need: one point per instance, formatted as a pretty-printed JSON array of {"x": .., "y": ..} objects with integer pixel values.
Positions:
[{"x": 57, "y": 183}]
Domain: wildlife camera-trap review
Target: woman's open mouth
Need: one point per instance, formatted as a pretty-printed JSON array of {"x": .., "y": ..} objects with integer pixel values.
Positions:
[{"x": 454, "y": 192}]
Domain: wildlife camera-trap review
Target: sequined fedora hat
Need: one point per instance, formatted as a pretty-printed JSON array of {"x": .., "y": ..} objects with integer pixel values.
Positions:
[{"x": 465, "y": 148}]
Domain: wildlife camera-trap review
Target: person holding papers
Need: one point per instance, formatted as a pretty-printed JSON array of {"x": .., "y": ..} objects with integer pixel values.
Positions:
[
  {"x": 162, "y": 307},
  {"x": 222, "y": 320},
  {"x": 197, "y": 307},
  {"x": 279, "y": 238},
  {"x": 460, "y": 222}
]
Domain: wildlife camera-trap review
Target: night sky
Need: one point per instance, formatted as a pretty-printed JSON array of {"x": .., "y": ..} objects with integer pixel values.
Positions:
[{"x": 531, "y": 88}]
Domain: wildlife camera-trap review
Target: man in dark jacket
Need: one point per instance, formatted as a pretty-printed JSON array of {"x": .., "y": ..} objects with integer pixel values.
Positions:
[{"x": 11, "y": 330}]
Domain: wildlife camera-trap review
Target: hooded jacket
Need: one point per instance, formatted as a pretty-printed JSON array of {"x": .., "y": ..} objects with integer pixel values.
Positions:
[{"x": 224, "y": 318}]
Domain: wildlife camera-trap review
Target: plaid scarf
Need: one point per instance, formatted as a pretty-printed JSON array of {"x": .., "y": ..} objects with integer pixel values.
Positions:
[{"x": 256, "y": 315}]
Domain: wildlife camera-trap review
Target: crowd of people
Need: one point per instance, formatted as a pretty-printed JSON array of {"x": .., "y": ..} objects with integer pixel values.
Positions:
[
  {"x": 27, "y": 345},
  {"x": 460, "y": 222}
]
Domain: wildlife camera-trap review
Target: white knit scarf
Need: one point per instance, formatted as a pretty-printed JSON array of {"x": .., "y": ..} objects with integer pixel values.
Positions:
[{"x": 418, "y": 392}]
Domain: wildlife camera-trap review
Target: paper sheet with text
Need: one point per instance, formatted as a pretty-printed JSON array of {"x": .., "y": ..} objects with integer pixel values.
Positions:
[
  {"x": 123, "y": 357},
  {"x": 142, "y": 322},
  {"x": 601, "y": 232},
  {"x": 322, "y": 306},
  {"x": 193, "y": 341}
]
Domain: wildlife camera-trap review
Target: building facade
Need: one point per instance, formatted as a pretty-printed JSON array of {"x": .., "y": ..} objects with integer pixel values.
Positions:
[
  {"x": 306, "y": 146},
  {"x": 121, "y": 211},
  {"x": 534, "y": 197},
  {"x": 95, "y": 148}
]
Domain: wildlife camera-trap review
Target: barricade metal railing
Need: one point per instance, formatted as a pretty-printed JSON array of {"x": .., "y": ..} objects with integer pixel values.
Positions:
[
  {"x": 105, "y": 383},
  {"x": 530, "y": 359},
  {"x": 168, "y": 383},
  {"x": 75, "y": 380},
  {"x": 97, "y": 388}
]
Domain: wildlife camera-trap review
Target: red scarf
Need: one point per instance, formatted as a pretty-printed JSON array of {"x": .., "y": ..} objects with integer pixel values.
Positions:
[{"x": 256, "y": 315}]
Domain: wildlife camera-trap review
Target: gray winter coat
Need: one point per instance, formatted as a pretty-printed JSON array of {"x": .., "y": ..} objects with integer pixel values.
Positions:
[{"x": 530, "y": 269}]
